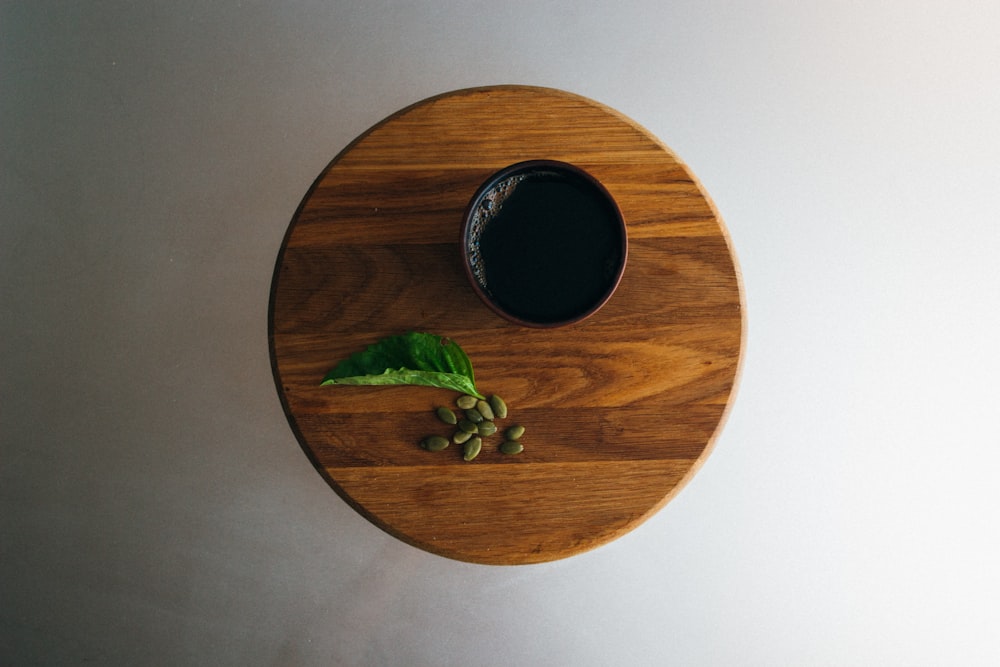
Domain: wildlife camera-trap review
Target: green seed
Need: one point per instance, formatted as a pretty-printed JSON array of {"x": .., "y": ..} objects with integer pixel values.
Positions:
[
  {"x": 472, "y": 448},
  {"x": 434, "y": 443},
  {"x": 446, "y": 415},
  {"x": 484, "y": 409},
  {"x": 514, "y": 432},
  {"x": 499, "y": 407},
  {"x": 466, "y": 402},
  {"x": 512, "y": 447},
  {"x": 474, "y": 416},
  {"x": 460, "y": 436},
  {"x": 468, "y": 426},
  {"x": 487, "y": 428}
]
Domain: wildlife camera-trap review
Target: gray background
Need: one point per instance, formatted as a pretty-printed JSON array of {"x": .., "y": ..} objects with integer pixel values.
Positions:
[{"x": 155, "y": 507}]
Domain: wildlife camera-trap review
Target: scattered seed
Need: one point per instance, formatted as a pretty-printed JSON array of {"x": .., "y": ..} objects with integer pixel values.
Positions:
[
  {"x": 446, "y": 415},
  {"x": 472, "y": 448},
  {"x": 474, "y": 424},
  {"x": 434, "y": 443},
  {"x": 498, "y": 406},
  {"x": 511, "y": 447},
  {"x": 484, "y": 409},
  {"x": 514, "y": 432}
]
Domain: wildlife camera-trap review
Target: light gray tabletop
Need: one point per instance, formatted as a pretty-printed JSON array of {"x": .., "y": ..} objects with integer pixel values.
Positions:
[{"x": 155, "y": 507}]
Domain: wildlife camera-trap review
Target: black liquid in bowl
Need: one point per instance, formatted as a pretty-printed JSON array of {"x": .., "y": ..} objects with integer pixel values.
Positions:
[{"x": 543, "y": 243}]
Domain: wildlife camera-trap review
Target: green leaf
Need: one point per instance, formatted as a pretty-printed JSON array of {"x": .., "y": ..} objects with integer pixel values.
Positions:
[{"x": 413, "y": 358}]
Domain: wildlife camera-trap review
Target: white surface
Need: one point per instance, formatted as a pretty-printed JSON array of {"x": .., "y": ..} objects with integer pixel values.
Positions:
[{"x": 156, "y": 508}]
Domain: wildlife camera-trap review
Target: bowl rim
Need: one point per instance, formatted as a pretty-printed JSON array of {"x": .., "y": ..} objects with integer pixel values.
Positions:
[{"x": 542, "y": 165}]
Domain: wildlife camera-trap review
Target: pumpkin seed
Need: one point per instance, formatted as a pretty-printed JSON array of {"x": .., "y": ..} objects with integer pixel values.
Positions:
[
  {"x": 511, "y": 447},
  {"x": 434, "y": 443},
  {"x": 484, "y": 409},
  {"x": 472, "y": 448},
  {"x": 468, "y": 426},
  {"x": 460, "y": 436},
  {"x": 446, "y": 415},
  {"x": 514, "y": 432},
  {"x": 498, "y": 406},
  {"x": 487, "y": 428},
  {"x": 466, "y": 402},
  {"x": 474, "y": 416}
]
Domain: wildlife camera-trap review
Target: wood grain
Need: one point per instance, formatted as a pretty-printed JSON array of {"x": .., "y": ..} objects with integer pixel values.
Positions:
[{"x": 620, "y": 410}]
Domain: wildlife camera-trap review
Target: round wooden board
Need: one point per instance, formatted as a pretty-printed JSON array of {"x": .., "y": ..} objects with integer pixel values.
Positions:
[{"x": 620, "y": 410}]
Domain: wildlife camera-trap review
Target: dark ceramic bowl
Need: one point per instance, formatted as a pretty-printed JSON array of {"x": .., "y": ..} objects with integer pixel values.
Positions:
[{"x": 543, "y": 243}]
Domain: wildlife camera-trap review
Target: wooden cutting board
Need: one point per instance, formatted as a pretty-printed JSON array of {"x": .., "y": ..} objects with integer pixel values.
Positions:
[{"x": 620, "y": 410}]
